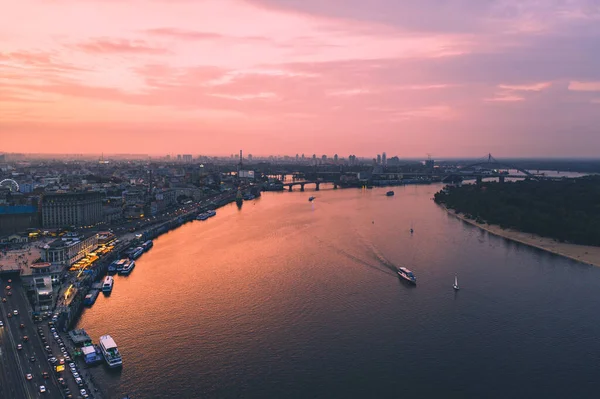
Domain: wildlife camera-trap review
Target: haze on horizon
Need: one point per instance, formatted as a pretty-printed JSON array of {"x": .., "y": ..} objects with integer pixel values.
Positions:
[{"x": 453, "y": 78}]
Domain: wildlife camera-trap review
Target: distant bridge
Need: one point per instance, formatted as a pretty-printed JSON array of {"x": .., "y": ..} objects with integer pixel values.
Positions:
[{"x": 303, "y": 183}]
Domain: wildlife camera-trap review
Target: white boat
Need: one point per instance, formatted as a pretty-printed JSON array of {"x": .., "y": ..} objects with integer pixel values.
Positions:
[
  {"x": 456, "y": 283},
  {"x": 109, "y": 350},
  {"x": 107, "y": 285},
  {"x": 211, "y": 213},
  {"x": 407, "y": 275},
  {"x": 128, "y": 267},
  {"x": 120, "y": 264}
]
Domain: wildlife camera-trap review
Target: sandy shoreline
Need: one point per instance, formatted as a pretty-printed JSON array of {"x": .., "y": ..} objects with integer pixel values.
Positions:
[{"x": 580, "y": 253}]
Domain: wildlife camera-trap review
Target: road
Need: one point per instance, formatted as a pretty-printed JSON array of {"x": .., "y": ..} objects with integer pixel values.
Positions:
[{"x": 17, "y": 363}]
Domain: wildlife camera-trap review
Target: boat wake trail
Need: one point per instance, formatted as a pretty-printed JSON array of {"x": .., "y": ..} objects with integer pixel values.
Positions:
[
  {"x": 385, "y": 269},
  {"x": 377, "y": 255}
]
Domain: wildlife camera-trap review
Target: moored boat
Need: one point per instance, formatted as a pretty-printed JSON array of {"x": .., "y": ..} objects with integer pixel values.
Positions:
[
  {"x": 137, "y": 253},
  {"x": 127, "y": 267},
  {"x": 91, "y": 297},
  {"x": 107, "y": 285},
  {"x": 112, "y": 268},
  {"x": 109, "y": 350},
  {"x": 147, "y": 245},
  {"x": 202, "y": 216}
]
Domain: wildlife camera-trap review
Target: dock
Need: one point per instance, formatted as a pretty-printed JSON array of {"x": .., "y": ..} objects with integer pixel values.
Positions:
[{"x": 79, "y": 337}]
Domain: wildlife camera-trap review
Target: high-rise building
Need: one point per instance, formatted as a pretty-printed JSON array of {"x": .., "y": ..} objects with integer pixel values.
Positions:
[
  {"x": 250, "y": 157},
  {"x": 187, "y": 158},
  {"x": 71, "y": 209},
  {"x": 383, "y": 159},
  {"x": 378, "y": 159},
  {"x": 335, "y": 158}
]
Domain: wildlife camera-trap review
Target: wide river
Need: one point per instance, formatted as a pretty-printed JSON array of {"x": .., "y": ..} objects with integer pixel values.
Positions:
[{"x": 285, "y": 298}]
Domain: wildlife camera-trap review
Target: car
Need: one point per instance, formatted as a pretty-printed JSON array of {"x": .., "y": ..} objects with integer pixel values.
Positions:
[
  {"x": 45, "y": 375},
  {"x": 53, "y": 329},
  {"x": 32, "y": 359},
  {"x": 1, "y": 323},
  {"x": 29, "y": 377},
  {"x": 8, "y": 287},
  {"x": 61, "y": 360},
  {"x": 9, "y": 293},
  {"x": 42, "y": 389},
  {"x": 75, "y": 374},
  {"x": 21, "y": 325},
  {"x": 16, "y": 312},
  {"x": 72, "y": 365},
  {"x": 4, "y": 299},
  {"x": 25, "y": 338},
  {"x": 19, "y": 346},
  {"x": 52, "y": 360},
  {"x": 82, "y": 392},
  {"x": 9, "y": 315}
]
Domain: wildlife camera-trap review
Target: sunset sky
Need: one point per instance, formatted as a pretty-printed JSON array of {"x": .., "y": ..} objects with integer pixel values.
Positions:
[{"x": 409, "y": 77}]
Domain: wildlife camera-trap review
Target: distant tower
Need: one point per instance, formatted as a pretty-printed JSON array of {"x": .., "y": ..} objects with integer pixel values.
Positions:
[
  {"x": 335, "y": 158},
  {"x": 383, "y": 159},
  {"x": 378, "y": 159}
]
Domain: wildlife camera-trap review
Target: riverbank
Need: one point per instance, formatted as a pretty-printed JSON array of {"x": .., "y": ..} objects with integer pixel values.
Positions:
[{"x": 580, "y": 253}]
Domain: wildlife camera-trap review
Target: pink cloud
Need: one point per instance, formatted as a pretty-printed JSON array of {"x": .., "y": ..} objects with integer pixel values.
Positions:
[
  {"x": 584, "y": 86},
  {"x": 184, "y": 34},
  {"x": 505, "y": 98},
  {"x": 223, "y": 72},
  {"x": 527, "y": 87},
  {"x": 119, "y": 46}
]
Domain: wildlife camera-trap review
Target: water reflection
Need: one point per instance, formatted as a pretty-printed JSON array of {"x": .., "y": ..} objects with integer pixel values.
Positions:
[{"x": 287, "y": 298}]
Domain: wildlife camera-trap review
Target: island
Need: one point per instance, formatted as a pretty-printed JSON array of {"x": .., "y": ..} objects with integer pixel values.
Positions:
[{"x": 559, "y": 216}]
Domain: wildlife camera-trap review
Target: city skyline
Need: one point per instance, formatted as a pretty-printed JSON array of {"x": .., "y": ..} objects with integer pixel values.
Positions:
[{"x": 456, "y": 79}]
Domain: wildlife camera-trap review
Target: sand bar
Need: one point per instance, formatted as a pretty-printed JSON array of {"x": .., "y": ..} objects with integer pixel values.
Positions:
[{"x": 580, "y": 253}]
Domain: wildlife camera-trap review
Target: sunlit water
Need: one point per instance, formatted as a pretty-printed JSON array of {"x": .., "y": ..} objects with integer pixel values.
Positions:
[{"x": 291, "y": 299}]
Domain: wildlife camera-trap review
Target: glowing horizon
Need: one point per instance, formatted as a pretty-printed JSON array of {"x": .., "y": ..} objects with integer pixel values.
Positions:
[{"x": 457, "y": 78}]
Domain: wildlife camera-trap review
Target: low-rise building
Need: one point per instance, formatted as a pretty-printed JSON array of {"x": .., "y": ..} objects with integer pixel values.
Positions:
[
  {"x": 69, "y": 249},
  {"x": 18, "y": 218},
  {"x": 44, "y": 294}
]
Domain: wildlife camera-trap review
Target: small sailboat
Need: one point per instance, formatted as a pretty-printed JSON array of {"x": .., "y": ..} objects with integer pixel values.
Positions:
[{"x": 456, "y": 287}]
